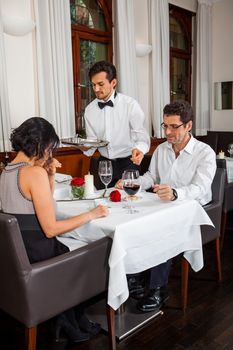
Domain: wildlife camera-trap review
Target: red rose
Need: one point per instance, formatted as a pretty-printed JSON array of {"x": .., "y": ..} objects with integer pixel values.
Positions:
[
  {"x": 115, "y": 196},
  {"x": 77, "y": 181}
]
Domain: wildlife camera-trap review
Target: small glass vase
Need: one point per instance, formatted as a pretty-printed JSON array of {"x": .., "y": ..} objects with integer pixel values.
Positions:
[{"x": 78, "y": 191}]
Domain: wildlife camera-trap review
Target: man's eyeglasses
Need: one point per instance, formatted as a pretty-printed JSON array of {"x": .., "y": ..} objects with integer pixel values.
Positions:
[{"x": 171, "y": 126}]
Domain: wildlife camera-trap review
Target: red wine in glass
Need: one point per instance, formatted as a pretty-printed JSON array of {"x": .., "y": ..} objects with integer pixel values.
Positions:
[
  {"x": 131, "y": 189},
  {"x": 131, "y": 186}
]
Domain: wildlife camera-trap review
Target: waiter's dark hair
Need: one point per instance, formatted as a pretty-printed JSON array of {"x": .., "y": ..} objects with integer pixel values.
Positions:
[
  {"x": 103, "y": 66},
  {"x": 181, "y": 108},
  {"x": 33, "y": 137}
]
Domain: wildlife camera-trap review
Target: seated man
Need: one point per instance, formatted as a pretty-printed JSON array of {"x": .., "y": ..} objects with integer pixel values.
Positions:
[{"x": 180, "y": 168}]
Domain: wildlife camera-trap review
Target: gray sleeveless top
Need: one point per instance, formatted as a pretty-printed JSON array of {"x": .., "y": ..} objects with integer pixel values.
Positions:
[
  {"x": 12, "y": 199},
  {"x": 37, "y": 245}
]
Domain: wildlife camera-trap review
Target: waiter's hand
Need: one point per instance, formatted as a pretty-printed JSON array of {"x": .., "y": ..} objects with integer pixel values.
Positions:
[
  {"x": 137, "y": 156},
  {"x": 164, "y": 192}
]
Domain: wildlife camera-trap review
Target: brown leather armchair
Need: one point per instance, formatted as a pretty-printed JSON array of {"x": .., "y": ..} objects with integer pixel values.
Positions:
[
  {"x": 227, "y": 200},
  {"x": 209, "y": 233},
  {"x": 34, "y": 293}
]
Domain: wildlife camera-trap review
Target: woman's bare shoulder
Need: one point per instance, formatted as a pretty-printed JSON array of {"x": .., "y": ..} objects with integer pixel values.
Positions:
[{"x": 35, "y": 172}]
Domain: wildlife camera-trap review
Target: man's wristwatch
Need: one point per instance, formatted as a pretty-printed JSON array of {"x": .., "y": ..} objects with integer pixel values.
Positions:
[{"x": 175, "y": 195}]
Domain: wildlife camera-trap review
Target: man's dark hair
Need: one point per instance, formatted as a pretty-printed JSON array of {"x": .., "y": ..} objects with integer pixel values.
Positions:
[
  {"x": 181, "y": 108},
  {"x": 103, "y": 66},
  {"x": 33, "y": 137}
]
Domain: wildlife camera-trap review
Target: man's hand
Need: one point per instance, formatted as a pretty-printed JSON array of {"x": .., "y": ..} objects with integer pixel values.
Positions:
[
  {"x": 137, "y": 156},
  {"x": 164, "y": 192},
  {"x": 119, "y": 184}
]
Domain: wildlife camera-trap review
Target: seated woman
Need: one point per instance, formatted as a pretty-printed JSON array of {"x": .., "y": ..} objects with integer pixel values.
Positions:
[{"x": 26, "y": 191}]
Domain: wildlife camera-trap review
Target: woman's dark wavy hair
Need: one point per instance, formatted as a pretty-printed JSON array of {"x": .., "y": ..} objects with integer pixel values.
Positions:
[
  {"x": 103, "y": 66},
  {"x": 181, "y": 108},
  {"x": 34, "y": 137}
]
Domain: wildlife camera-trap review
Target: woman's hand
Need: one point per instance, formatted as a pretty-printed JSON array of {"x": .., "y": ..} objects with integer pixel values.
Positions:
[
  {"x": 51, "y": 166},
  {"x": 99, "y": 212}
]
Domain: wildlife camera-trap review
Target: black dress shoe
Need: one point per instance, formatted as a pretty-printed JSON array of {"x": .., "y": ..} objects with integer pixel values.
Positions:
[
  {"x": 73, "y": 333},
  {"x": 154, "y": 300},
  {"x": 88, "y": 326}
]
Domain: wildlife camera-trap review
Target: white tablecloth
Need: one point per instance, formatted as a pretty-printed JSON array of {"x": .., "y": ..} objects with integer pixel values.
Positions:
[{"x": 160, "y": 231}]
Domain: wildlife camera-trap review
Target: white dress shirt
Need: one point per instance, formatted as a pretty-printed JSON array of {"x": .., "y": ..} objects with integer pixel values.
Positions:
[
  {"x": 190, "y": 174},
  {"x": 121, "y": 125}
]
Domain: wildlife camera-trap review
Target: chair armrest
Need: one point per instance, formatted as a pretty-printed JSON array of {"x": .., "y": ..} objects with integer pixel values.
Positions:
[
  {"x": 212, "y": 205},
  {"x": 68, "y": 279},
  {"x": 228, "y": 197}
]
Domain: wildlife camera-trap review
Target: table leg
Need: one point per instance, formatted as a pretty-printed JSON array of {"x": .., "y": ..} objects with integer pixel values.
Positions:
[{"x": 111, "y": 327}]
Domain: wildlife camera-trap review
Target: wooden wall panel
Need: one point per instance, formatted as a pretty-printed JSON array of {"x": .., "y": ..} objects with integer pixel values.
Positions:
[
  {"x": 73, "y": 161},
  {"x": 74, "y": 164}
]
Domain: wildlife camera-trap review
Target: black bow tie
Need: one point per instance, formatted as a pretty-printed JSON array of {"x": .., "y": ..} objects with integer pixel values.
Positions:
[{"x": 103, "y": 104}]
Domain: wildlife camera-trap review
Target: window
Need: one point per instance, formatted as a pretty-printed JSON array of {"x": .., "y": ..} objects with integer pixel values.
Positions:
[
  {"x": 180, "y": 53},
  {"x": 91, "y": 42}
]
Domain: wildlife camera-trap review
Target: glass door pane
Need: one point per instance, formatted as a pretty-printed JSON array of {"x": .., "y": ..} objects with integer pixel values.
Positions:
[
  {"x": 90, "y": 52},
  {"x": 87, "y": 13},
  {"x": 179, "y": 79}
]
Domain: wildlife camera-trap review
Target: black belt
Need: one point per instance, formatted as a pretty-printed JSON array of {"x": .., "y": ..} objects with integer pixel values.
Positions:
[{"x": 115, "y": 159}]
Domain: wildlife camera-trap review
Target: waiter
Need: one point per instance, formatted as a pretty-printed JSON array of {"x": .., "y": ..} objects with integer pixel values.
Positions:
[{"x": 116, "y": 118}]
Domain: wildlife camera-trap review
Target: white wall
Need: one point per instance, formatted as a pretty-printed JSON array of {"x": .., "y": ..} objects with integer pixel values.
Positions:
[
  {"x": 20, "y": 65},
  {"x": 21, "y": 62},
  {"x": 222, "y": 58}
]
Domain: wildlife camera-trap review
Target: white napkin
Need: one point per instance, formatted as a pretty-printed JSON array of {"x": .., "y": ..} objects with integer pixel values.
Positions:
[{"x": 62, "y": 177}]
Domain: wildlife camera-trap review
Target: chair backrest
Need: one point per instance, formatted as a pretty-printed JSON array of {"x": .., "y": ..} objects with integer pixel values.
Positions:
[
  {"x": 214, "y": 209},
  {"x": 221, "y": 163},
  {"x": 228, "y": 193},
  {"x": 218, "y": 185},
  {"x": 14, "y": 265}
]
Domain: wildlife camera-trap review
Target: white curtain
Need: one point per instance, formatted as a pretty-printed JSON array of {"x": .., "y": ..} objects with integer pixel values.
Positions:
[
  {"x": 203, "y": 98},
  {"x": 159, "y": 64},
  {"x": 125, "y": 51},
  {"x": 5, "y": 127},
  {"x": 54, "y": 55}
]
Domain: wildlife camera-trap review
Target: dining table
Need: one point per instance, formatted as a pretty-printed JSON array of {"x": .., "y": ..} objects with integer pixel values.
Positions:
[{"x": 157, "y": 232}]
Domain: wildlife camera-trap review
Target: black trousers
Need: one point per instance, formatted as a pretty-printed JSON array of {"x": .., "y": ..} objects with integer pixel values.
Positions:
[
  {"x": 159, "y": 275},
  {"x": 119, "y": 165},
  {"x": 155, "y": 277}
]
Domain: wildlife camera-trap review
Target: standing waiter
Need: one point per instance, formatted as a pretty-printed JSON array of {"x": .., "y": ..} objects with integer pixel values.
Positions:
[{"x": 116, "y": 118}]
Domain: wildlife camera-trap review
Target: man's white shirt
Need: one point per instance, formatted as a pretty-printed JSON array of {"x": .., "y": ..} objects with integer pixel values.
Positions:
[
  {"x": 190, "y": 174},
  {"x": 123, "y": 126}
]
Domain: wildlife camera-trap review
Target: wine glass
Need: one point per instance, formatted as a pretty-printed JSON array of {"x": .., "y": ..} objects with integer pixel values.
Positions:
[
  {"x": 105, "y": 173},
  {"x": 230, "y": 149},
  {"x": 131, "y": 186}
]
